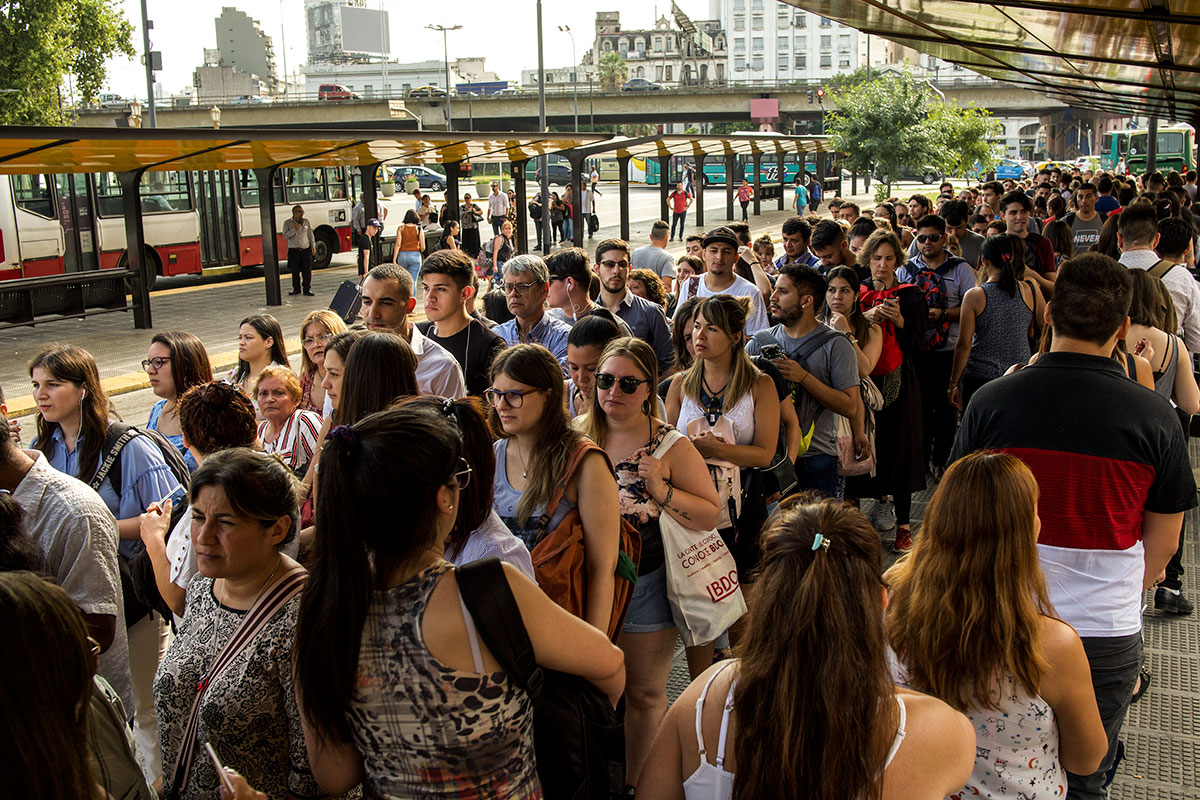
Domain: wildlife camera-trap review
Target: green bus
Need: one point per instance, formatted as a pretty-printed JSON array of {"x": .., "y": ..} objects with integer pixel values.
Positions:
[
  {"x": 1113, "y": 147},
  {"x": 1176, "y": 149}
]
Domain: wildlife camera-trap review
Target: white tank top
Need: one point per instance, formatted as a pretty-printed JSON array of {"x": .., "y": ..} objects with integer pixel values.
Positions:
[
  {"x": 741, "y": 416},
  {"x": 713, "y": 781}
]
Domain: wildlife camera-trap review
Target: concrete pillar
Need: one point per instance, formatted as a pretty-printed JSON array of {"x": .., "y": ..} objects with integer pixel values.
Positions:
[
  {"x": 453, "y": 175},
  {"x": 577, "y": 177},
  {"x": 782, "y": 178},
  {"x": 623, "y": 194},
  {"x": 757, "y": 184}
]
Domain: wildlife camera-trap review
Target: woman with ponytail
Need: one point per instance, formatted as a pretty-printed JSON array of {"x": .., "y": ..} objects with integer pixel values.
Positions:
[
  {"x": 809, "y": 710},
  {"x": 397, "y": 690},
  {"x": 997, "y": 319}
]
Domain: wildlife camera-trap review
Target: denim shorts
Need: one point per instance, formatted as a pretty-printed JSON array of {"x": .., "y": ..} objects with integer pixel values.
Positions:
[{"x": 649, "y": 610}]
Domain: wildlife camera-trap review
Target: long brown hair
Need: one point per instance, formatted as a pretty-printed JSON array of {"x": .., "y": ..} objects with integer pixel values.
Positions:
[
  {"x": 76, "y": 365},
  {"x": 966, "y": 602},
  {"x": 860, "y": 324},
  {"x": 268, "y": 328},
  {"x": 814, "y": 701},
  {"x": 45, "y": 709},
  {"x": 189, "y": 360},
  {"x": 595, "y": 422},
  {"x": 728, "y": 314},
  {"x": 556, "y": 441},
  {"x": 380, "y": 369}
]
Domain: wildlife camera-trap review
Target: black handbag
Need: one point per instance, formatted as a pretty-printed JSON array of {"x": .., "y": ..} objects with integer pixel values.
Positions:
[{"x": 579, "y": 738}]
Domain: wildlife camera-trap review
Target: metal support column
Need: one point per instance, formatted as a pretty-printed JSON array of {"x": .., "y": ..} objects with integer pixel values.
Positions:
[
  {"x": 822, "y": 164},
  {"x": 370, "y": 189},
  {"x": 522, "y": 231},
  {"x": 1152, "y": 146},
  {"x": 135, "y": 247},
  {"x": 757, "y": 184},
  {"x": 577, "y": 178},
  {"x": 700, "y": 189},
  {"x": 664, "y": 187},
  {"x": 730, "y": 169},
  {"x": 782, "y": 178},
  {"x": 453, "y": 174},
  {"x": 623, "y": 194},
  {"x": 270, "y": 240}
]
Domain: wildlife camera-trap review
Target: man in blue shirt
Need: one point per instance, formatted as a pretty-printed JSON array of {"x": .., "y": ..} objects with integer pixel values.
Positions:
[
  {"x": 796, "y": 233},
  {"x": 526, "y": 286},
  {"x": 646, "y": 319}
]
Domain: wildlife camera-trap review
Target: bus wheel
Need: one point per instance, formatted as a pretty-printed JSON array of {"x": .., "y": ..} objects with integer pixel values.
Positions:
[
  {"x": 154, "y": 266},
  {"x": 703, "y": 181},
  {"x": 325, "y": 249}
]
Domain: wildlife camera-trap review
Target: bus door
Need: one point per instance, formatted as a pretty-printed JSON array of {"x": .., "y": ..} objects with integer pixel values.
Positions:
[
  {"x": 78, "y": 223},
  {"x": 216, "y": 199}
]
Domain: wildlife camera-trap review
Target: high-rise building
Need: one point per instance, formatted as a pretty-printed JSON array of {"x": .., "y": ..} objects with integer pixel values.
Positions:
[
  {"x": 772, "y": 41},
  {"x": 244, "y": 46},
  {"x": 323, "y": 21}
]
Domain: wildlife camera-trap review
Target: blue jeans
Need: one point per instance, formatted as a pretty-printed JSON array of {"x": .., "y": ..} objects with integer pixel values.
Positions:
[
  {"x": 568, "y": 228},
  {"x": 818, "y": 471},
  {"x": 411, "y": 261},
  {"x": 1114, "y": 663}
]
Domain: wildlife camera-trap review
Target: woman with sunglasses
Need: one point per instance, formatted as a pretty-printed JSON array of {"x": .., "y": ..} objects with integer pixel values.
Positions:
[
  {"x": 176, "y": 362},
  {"x": 398, "y": 690},
  {"x": 536, "y": 445},
  {"x": 315, "y": 332},
  {"x": 677, "y": 482}
]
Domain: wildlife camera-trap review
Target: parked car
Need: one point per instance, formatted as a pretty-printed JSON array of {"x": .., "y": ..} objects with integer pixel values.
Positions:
[
  {"x": 559, "y": 174},
  {"x": 1009, "y": 169},
  {"x": 926, "y": 174},
  {"x": 250, "y": 99},
  {"x": 336, "y": 91},
  {"x": 427, "y": 91},
  {"x": 507, "y": 92},
  {"x": 426, "y": 178},
  {"x": 640, "y": 85}
]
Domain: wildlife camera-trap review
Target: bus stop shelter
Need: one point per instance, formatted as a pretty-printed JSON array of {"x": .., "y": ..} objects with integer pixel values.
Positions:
[{"x": 130, "y": 153}]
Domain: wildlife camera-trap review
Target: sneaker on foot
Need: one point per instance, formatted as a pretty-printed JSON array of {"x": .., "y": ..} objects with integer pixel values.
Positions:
[
  {"x": 1171, "y": 601},
  {"x": 903, "y": 541},
  {"x": 884, "y": 515}
]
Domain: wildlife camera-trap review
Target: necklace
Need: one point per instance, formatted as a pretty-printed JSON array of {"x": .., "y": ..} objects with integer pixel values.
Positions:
[
  {"x": 520, "y": 455},
  {"x": 708, "y": 389},
  {"x": 263, "y": 588}
]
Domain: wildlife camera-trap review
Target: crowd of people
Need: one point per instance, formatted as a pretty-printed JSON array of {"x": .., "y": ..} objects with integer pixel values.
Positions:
[{"x": 272, "y": 588}]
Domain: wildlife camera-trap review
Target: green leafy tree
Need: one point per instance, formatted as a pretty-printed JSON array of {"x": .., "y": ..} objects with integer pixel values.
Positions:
[
  {"x": 966, "y": 138},
  {"x": 881, "y": 124},
  {"x": 723, "y": 128},
  {"x": 612, "y": 71},
  {"x": 44, "y": 41},
  {"x": 844, "y": 80}
]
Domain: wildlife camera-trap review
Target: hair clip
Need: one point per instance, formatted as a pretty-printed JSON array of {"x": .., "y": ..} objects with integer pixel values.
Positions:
[
  {"x": 344, "y": 433},
  {"x": 448, "y": 409},
  {"x": 819, "y": 541}
]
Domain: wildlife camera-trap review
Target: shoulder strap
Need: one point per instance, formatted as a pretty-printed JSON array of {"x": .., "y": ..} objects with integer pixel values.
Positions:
[
  {"x": 255, "y": 620},
  {"x": 560, "y": 488},
  {"x": 821, "y": 335},
  {"x": 1161, "y": 268},
  {"x": 117, "y": 436},
  {"x": 764, "y": 337},
  {"x": 489, "y": 598}
]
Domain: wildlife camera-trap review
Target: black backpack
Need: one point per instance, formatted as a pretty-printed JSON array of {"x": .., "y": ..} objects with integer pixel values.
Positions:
[
  {"x": 138, "y": 586},
  {"x": 579, "y": 738}
]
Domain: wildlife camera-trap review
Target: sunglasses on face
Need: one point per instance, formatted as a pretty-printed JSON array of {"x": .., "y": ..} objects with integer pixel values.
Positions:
[
  {"x": 628, "y": 384},
  {"x": 929, "y": 237}
]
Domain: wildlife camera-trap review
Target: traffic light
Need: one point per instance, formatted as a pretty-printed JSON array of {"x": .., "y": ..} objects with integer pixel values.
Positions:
[
  {"x": 810, "y": 97},
  {"x": 820, "y": 95}
]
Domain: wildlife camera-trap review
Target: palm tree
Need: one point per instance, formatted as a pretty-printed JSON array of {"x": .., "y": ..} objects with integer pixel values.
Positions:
[{"x": 612, "y": 71}]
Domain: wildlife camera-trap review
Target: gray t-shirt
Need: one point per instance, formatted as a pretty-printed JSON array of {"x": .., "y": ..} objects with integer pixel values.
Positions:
[
  {"x": 654, "y": 258},
  {"x": 833, "y": 364},
  {"x": 1085, "y": 232}
]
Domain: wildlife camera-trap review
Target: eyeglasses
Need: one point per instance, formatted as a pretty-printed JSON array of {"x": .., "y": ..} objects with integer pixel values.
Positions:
[
  {"x": 323, "y": 338},
  {"x": 628, "y": 384},
  {"x": 514, "y": 398},
  {"x": 929, "y": 237},
  {"x": 518, "y": 288},
  {"x": 155, "y": 364},
  {"x": 617, "y": 264},
  {"x": 462, "y": 478}
]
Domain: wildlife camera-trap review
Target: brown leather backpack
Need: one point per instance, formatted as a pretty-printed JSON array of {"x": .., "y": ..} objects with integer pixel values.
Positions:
[{"x": 559, "y": 562}]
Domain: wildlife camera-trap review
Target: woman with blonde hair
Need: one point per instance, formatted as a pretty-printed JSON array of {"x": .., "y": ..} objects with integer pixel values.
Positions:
[
  {"x": 970, "y": 621},
  {"x": 809, "y": 709},
  {"x": 658, "y": 471},
  {"x": 315, "y": 332}
]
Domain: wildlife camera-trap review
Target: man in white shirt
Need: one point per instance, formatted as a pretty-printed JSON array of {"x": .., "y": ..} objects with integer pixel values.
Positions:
[
  {"x": 387, "y": 300},
  {"x": 1138, "y": 236},
  {"x": 720, "y": 255},
  {"x": 302, "y": 246},
  {"x": 497, "y": 208},
  {"x": 654, "y": 256},
  {"x": 78, "y": 535}
]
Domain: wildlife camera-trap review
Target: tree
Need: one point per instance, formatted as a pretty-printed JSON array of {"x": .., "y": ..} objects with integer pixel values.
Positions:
[
  {"x": 723, "y": 128},
  {"x": 966, "y": 138},
  {"x": 844, "y": 80},
  {"x": 44, "y": 41},
  {"x": 612, "y": 71}
]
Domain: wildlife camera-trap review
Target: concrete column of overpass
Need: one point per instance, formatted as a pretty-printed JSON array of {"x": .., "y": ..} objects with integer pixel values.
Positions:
[{"x": 623, "y": 194}]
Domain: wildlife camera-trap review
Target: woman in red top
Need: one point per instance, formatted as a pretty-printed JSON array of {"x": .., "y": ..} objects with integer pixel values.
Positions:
[{"x": 745, "y": 192}]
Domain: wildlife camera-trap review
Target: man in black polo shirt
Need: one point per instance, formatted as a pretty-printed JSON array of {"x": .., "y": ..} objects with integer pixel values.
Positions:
[{"x": 1114, "y": 477}]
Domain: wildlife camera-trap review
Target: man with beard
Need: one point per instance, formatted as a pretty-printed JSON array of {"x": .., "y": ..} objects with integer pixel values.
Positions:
[
  {"x": 720, "y": 255},
  {"x": 644, "y": 318}
]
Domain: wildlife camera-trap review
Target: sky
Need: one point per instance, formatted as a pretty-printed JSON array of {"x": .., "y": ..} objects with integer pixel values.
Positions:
[{"x": 183, "y": 29}]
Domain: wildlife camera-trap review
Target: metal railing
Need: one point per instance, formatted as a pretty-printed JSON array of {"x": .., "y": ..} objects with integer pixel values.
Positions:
[{"x": 27, "y": 301}]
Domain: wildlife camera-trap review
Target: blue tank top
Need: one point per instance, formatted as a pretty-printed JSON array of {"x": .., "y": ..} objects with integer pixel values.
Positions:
[{"x": 505, "y": 499}]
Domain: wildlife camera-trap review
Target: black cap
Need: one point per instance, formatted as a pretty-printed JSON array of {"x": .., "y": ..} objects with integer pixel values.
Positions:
[
  {"x": 374, "y": 223},
  {"x": 721, "y": 234}
]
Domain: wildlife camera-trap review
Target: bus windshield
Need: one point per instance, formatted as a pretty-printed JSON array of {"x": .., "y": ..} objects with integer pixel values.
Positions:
[{"x": 1169, "y": 142}]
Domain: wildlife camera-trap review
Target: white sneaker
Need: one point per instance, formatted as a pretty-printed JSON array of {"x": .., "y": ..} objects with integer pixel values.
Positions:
[{"x": 883, "y": 516}]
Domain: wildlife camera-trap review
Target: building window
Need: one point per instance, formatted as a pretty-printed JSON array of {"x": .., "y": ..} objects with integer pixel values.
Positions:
[
  {"x": 758, "y": 23},
  {"x": 826, "y": 22},
  {"x": 801, "y": 61},
  {"x": 739, "y": 24},
  {"x": 739, "y": 63},
  {"x": 669, "y": 77},
  {"x": 782, "y": 63},
  {"x": 670, "y": 44},
  {"x": 658, "y": 45},
  {"x": 826, "y": 43},
  {"x": 739, "y": 47},
  {"x": 659, "y": 72},
  {"x": 843, "y": 63},
  {"x": 758, "y": 44},
  {"x": 639, "y": 44},
  {"x": 756, "y": 63},
  {"x": 782, "y": 43},
  {"x": 802, "y": 20},
  {"x": 844, "y": 43},
  {"x": 826, "y": 62},
  {"x": 607, "y": 46},
  {"x": 739, "y": 6},
  {"x": 641, "y": 72},
  {"x": 757, "y": 5}
]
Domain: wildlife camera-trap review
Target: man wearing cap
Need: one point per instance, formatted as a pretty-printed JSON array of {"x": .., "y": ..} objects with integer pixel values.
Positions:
[
  {"x": 366, "y": 246},
  {"x": 302, "y": 246},
  {"x": 720, "y": 254}
]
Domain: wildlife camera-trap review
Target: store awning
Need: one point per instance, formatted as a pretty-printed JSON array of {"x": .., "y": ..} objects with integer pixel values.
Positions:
[{"x": 1120, "y": 56}]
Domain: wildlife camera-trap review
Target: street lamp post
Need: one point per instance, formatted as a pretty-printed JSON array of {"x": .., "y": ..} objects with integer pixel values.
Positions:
[
  {"x": 446, "y": 58},
  {"x": 574, "y": 84},
  {"x": 543, "y": 162}
]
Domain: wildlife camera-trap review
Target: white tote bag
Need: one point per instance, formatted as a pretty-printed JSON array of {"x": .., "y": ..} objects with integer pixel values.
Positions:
[{"x": 702, "y": 579}]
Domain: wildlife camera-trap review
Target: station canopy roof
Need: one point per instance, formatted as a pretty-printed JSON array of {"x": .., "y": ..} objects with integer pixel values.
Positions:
[
  {"x": 1120, "y": 56},
  {"x": 27, "y": 150}
]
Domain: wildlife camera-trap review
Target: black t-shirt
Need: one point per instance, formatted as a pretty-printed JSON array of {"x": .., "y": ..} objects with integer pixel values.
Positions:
[
  {"x": 364, "y": 244},
  {"x": 473, "y": 348}
]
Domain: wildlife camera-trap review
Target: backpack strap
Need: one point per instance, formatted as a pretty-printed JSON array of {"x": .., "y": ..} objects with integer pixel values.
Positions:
[
  {"x": 560, "y": 489},
  {"x": 255, "y": 620},
  {"x": 1161, "y": 268},
  {"x": 487, "y": 595},
  {"x": 118, "y": 435}
]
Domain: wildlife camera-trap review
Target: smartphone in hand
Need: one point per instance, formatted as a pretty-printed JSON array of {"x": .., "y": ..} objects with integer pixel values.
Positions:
[
  {"x": 176, "y": 496},
  {"x": 212, "y": 754}
]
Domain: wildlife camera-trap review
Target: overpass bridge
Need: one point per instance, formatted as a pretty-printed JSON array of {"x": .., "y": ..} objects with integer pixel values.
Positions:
[{"x": 519, "y": 111}]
